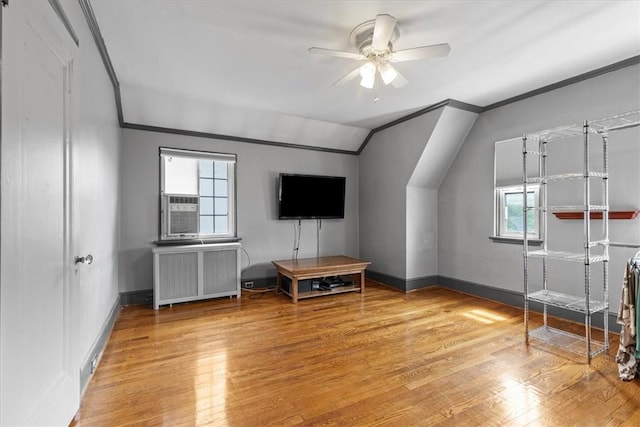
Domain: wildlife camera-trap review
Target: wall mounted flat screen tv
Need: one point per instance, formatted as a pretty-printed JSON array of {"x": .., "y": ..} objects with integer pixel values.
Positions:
[{"x": 310, "y": 196}]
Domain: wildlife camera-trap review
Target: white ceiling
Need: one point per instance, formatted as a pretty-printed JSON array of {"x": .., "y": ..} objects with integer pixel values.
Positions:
[{"x": 241, "y": 68}]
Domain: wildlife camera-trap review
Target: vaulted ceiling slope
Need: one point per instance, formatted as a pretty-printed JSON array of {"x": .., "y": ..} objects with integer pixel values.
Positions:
[{"x": 241, "y": 68}]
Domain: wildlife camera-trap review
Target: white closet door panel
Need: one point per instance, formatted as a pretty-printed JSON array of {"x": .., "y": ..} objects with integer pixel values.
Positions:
[{"x": 38, "y": 380}]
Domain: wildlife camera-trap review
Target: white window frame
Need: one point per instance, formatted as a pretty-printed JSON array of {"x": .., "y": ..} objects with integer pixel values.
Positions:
[
  {"x": 501, "y": 211},
  {"x": 231, "y": 160}
]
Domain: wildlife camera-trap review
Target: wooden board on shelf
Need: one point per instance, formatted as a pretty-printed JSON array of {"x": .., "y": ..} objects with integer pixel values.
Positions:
[{"x": 596, "y": 215}]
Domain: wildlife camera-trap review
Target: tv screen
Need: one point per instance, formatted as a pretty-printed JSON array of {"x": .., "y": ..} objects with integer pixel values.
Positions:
[{"x": 310, "y": 196}]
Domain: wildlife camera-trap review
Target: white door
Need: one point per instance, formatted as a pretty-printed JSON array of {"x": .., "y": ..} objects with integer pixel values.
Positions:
[{"x": 38, "y": 377}]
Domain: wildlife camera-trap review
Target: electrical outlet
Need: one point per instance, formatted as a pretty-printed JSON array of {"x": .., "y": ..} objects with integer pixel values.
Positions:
[
  {"x": 94, "y": 363},
  {"x": 248, "y": 285}
]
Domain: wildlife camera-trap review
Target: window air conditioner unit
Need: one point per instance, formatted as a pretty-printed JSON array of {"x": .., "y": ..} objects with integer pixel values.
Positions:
[{"x": 180, "y": 216}]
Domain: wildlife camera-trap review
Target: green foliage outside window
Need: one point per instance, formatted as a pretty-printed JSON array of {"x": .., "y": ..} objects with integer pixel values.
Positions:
[{"x": 513, "y": 205}]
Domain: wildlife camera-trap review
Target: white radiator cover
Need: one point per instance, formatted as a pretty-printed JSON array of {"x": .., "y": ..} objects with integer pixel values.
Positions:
[
  {"x": 193, "y": 272},
  {"x": 178, "y": 275}
]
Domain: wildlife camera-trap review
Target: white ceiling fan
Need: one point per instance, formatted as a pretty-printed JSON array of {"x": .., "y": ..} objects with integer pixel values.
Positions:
[{"x": 374, "y": 40}]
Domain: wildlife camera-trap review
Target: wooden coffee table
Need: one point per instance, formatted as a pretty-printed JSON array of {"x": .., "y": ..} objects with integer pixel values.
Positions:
[{"x": 317, "y": 268}]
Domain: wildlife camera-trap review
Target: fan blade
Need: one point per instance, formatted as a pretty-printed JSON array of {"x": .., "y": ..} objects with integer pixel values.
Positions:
[
  {"x": 352, "y": 75},
  {"x": 338, "y": 53},
  {"x": 382, "y": 31},
  {"x": 423, "y": 52},
  {"x": 399, "y": 81}
]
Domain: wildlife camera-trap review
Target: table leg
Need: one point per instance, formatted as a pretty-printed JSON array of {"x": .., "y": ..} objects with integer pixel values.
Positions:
[
  {"x": 279, "y": 282},
  {"x": 362, "y": 282},
  {"x": 294, "y": 290}
]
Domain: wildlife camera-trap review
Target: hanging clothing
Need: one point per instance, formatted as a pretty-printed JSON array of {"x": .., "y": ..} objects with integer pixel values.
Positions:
[
  {"x": 635, "y": 277},
  {"x": 629, "y": 347}
]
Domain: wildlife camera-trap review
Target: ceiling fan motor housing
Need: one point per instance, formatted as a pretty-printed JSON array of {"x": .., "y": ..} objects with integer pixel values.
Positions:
[{"x": 362, "y": 38}]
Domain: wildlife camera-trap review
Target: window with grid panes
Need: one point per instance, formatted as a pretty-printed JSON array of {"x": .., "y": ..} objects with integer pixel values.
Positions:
[
  {"x": 214, "y": 196},
  {"x": 206, "y": 177},
  {"x": 510, "y": 212}
]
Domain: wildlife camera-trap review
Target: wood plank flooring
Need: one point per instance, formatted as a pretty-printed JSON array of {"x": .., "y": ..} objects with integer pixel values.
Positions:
[{"x": 433, "y": 357}]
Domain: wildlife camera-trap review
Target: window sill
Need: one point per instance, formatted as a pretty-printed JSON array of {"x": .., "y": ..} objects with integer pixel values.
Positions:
[
  {"x": 204, "y": 241},
  {"x": 515, "y": 240}
]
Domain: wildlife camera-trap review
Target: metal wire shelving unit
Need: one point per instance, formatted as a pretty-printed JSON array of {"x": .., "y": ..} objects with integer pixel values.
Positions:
[{"x": 583, "y": 303}]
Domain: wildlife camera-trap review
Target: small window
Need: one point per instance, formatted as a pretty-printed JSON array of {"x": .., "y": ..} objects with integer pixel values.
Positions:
[
  {"x": 197, "y": 192},
  {"x": 510, "y": 213}
]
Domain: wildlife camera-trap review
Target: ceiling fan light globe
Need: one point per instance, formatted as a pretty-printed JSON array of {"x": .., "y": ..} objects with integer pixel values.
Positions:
[
  {"x": 388, "y": 73},
  {"x": 368, "y": 73},
  {"x": 368, "y": 81},
  {"x": 368, "y": 70}
]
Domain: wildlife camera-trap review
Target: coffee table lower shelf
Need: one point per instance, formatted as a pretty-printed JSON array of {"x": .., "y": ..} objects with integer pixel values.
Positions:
[{"x": 320, "y": 293}]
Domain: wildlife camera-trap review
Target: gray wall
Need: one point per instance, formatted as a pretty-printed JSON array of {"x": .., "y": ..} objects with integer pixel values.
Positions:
[
  {"x": 264, "y": 237},
  {"x": 386, "y": 165},
  {"x": 421, "y": 232},
  {"x": 465, "y": 197},
  {"x": 96, "y": 181},
  {"x": 400, "y": 170},
  {"x": 422, "y": 191}
]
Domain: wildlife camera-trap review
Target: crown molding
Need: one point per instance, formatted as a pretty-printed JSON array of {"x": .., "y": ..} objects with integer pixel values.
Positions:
[
  {"x": 175, "y": 131},
  {"x": 102, "y": 49},
  {"x": 447, "y": 102},
  {"x": 57, "y": 8},
  {"x": 90, "y": 17},
  {"x": 476, "y": 109},
  {"x": 567, "y": 82}
]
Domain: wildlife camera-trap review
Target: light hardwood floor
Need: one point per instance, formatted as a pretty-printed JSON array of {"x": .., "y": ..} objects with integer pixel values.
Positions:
[{"x": 380, "y": 359}]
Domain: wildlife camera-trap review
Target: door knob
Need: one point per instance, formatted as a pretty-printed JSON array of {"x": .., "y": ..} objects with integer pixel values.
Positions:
[{"x": 84, "y": 259}]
